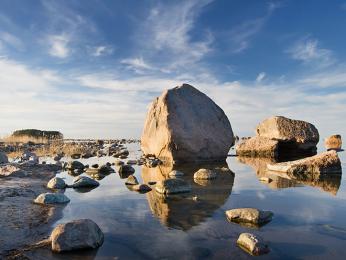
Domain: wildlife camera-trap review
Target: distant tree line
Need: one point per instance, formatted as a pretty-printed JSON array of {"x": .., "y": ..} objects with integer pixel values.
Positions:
[{"x": 50, "y": 135}]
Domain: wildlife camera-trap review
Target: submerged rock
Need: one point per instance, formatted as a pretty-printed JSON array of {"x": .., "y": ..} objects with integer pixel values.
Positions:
[
  {"x": 51, "y": 198},
  {"x": 12, "y": 171},
  {"x": 252, "y": 244},
  {"x": 77, "y": 234},
  {"x": 131, "y": 180},
  {"x": 3, "y": 158},
  {"x": 185, "y": 125},
  {"x": 333, "y": 142},
  {"x": 249, "y": 215},
  {"x": 84, "y": 182},
  {"x": 327, "y": 162},
  {"x": 300, "y": 133},
  {"x": 258, "y": 146},
  {"x": 172, "y": 186},
  {"x": 56, "y": 183},
  {"x": 204, "y": 174},
  {"x": 141, "y": 188}
]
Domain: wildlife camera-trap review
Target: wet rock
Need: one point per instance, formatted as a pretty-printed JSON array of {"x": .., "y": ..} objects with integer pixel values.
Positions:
[
  {"x": 184, "y": 125},
  {"x": 84, "y": 182},
  {"x": 303, "y": 134},
  {"x": 51, "y": 198},
  {"x": 131, "y": 180},
  {"x": 75, "y": 165},
  {"x": 175, "y": 173},
  {"x": 12, "y": 171},
  {"x": 204, "y": 174},
  {"x": 252, "y": 244},
  {"x": 56, "y": 183},
  {"x": 258, "y": 146},
  {"x": 76, "y": 156},
  {"x": 249, "y": 215},
  {"x": 126, "y": 169},
  {"x": 131, "y": 162},
  {"x": 172, "y": 186},
  {"x": 333, "y": 142},
  {"x": 95, "y": 166},
  {"x": 3, "y": 158},
  {"x": 77, "y": 234},
  {"x": 327, "y": 162},
  {"x": 105, "y": 169},
  {"x": 141, "y": 188}
]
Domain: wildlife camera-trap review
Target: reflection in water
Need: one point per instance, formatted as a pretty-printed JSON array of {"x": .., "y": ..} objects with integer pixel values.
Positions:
[
  {"x": 184, "y": 211},
  {"x": 278, "y": 180}
]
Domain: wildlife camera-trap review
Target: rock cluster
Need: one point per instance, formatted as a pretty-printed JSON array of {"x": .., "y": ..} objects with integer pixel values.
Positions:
[
  {"x": 278, "y": 136},
  {"x": 185, "y": 125}
]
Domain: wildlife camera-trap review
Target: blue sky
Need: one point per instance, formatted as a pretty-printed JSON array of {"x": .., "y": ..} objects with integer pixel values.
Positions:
[{"x": 90, "y": 68}]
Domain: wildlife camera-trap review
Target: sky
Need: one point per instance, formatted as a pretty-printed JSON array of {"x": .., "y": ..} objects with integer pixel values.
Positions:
[{"x": 90, "y": 68}]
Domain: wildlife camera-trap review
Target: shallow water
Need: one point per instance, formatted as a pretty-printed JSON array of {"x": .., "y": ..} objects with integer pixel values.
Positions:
[{"x": 309, "y": 217}]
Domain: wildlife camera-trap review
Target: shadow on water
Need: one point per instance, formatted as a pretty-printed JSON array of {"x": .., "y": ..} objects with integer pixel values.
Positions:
[
  {"x": 186, "y": 210},
  {"x": 277, "y": 180}
]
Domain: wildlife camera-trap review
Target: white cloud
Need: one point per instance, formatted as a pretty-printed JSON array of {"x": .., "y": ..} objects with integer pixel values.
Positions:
[
  {"x": 59, "y": 45},
  {"x": 308, "y": 50},
  {"x": 102, "y": 50},
  {"x": 137, "y": 64},
  {"x": 260, "y": 77}
]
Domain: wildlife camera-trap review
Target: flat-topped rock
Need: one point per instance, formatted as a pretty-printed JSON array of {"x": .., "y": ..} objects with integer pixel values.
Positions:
[
  {"x": 252, "y": 244},
  {"x": 327, "y": 162},
  {"x": 185, "y": 125},
  {"x": 51, "y": 198},
  {"x": 249, "y": 215},
  {"x": 258, "y": 146},
  {"x": 75, "y": 235},
  {"x": 172, "y": 186},
  {"x": 301, "y": 133}
]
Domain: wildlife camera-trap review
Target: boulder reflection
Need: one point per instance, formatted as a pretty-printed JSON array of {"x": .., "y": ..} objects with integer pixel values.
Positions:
[
  {"x": 183, "y": 211},
  {"x": 277, "y": 180}
]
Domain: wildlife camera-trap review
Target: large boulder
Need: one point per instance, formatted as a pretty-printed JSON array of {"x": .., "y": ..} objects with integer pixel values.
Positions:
[
  {"x": 185, "y": 125},
  {"x": 3, "y": 158},
  {"x": 51, "y": 198},
  {"x": 77, "y": 234},
  {"x": 327, "y": 162},
  {"x": 300, "y": 134}
]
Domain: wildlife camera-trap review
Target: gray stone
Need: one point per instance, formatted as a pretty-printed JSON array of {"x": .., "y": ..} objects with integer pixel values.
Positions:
[
  {"x": 185, "y": 125},
  {"x": 252, "y": 244},
  {"x": 3, "y": 158},
  {"x": 249, "y": 215},
  {"x": 172, "y": 186},
  {"x": 56, "y": 183},
  {"x": 84, "y": 182},
  {"x": 75, "y": 165},
  {"x": 77, "y": 234},
  {"x": 52, "y": 198}
]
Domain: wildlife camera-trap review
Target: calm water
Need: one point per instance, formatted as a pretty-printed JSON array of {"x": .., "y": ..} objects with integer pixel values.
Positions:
[{"x": 309, "y": 220}]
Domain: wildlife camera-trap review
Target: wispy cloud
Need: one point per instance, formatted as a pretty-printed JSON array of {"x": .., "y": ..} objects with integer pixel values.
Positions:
[
  {"x": 11, "y": 40},
  {"x": 309, "y": 51},
  {"x": 137, "y": 64},
  {"x": 260, "y": 77},
  {"x": 59, "y": 45},
  {"x": 102, "y": 50}
]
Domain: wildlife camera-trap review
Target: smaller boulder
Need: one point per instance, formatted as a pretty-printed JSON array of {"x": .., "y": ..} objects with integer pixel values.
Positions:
[
  {"x": 56, "y": 183},
  {"x": 333, "y": 142},
  {"x": 84, "y": 182},
  {"x": 172, "y": 186},
  {"x": 51, "y": 198},
  {"x": 258, "y": 146},
  {"x": 204, "y": 174},
  {"x": 249, "y": 215},
  {"x": 75, "y": 165},
  {"x": 126, "y": 169},
  {"x": 141, "y": 188},
  {"x": 252, "y": 244},
  {"x": 12, "y": 171},
  {"x": 131, "y": 162},
  {"x": 77, "y": 234}
]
